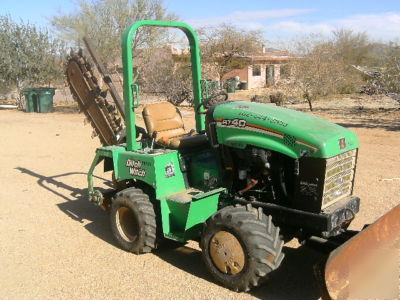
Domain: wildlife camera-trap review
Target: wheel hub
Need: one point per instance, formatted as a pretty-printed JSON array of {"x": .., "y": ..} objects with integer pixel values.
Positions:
[
  {"x": 227, "y": 253},
  {"x": 126, "y": 224}
]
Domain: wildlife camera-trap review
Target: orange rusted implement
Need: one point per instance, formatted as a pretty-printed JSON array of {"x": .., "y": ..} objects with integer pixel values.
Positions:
[
  {"x": 368, "y": 265},
  {"x": 92, "y": 100}
]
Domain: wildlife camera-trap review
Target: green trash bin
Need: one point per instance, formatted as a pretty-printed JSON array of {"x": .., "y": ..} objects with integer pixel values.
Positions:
[
  {"x": 30, "y": 99},
  {"x": 46, "y": 99},
  {"x": 208, "y": 86},
  {"x": 39, "y": 100},
  {"x": 243, "y": 85},
  {"x": 214, "y": 85},
  {"x": 231, "y": 86}
]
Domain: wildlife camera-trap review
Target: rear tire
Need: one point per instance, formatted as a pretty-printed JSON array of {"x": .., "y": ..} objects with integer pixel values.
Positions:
[
  {"x": 133, "y": 221},
  {"x": 241, "y": 246}
]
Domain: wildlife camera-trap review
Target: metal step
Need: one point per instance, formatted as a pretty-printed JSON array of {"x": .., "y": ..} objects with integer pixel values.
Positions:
[{"x": 185, "y": 196}]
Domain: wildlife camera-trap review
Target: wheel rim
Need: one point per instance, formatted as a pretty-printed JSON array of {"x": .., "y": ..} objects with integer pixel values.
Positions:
[
  {"x": 127, "y": 224},
  {"x": 227, "y": 253}
]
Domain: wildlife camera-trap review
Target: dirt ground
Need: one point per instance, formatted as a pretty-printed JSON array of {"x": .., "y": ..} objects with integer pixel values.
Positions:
[{"x": 55, "y": 244}]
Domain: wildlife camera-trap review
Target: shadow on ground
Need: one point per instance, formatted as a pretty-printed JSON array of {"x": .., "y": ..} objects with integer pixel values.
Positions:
[
  {"x": 293, "y": 280},
  {"x": 76, "y": 205}
]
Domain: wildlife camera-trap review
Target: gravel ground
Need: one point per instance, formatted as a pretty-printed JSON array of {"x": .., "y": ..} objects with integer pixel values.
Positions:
[{"x": 55, "y": 244}]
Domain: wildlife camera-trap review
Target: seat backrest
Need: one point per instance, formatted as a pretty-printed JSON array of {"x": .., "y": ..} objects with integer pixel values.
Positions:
[{"x": 164, "y": 118}]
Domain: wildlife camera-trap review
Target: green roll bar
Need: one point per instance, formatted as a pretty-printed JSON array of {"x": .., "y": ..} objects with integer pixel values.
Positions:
[{"x": 129, "y": 84}]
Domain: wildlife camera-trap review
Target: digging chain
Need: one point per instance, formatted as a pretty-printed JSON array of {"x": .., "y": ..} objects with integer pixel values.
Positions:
[{"x": 106, "y": 120}]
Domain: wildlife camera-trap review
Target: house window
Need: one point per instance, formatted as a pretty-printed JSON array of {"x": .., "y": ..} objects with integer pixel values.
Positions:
[
  {"x": 256, "y": 70},
  {"x": 285, "y": 71}
]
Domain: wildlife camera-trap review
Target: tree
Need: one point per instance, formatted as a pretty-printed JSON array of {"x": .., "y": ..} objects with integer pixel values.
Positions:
[
  {"x": 167, "y": 75},
  {"x": 314, "y": 73},
  {"x": 104, "y": 21},
  {"x": 29, "y": 55},
  {"x": 324, "y": 66},
  {"x": 224, "y": 44},
  {"x": 390, "y": 75},
  {"x": 6, "y": 68},
  {"x": 352, "y": 48}
]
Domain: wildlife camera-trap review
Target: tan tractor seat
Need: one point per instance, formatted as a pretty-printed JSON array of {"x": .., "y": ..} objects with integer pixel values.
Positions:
[{"x": 165, "y": 119}]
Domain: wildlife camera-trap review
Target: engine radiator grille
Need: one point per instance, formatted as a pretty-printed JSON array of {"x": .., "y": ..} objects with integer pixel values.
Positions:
[{"x": 339, "y": 175}]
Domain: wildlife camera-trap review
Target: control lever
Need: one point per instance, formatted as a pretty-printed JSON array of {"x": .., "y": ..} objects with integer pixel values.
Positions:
[{"x": 153, "y": 138}]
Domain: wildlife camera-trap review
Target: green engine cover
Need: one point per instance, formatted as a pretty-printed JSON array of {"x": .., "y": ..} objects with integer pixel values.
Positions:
[{"x": 293, "y": 133}]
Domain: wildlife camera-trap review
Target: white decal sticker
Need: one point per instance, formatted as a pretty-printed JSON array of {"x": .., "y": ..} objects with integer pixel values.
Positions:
[
  {"x": 135, "y": 168},
  {"x": 169, "y": 170}
]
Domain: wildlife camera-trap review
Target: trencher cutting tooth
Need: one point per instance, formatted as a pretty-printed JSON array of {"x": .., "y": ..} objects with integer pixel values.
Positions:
[{"x": 104, "y": 92}]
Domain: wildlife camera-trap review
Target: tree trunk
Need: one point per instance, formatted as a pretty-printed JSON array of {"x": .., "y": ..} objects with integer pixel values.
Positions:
[
  {"x": 309, "y": 99},
  {"x": 20, "y": 101},
  {"x": 220, "y": 75}
]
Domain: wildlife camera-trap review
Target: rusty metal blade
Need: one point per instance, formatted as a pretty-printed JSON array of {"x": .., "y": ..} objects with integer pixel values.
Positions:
[{"x": 367, "y": 266}]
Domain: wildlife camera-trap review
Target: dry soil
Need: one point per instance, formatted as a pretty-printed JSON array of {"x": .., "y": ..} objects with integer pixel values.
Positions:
[{"x": 55, "y": 244}]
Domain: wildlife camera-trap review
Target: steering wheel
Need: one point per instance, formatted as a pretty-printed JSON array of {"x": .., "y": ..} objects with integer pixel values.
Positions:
[
  {"x": 140, "y": 132},
  {"x": 212, "y": 100}
]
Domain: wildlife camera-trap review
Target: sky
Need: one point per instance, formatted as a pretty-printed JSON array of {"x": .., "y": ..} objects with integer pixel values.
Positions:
[{"x": 277, "y": 19}]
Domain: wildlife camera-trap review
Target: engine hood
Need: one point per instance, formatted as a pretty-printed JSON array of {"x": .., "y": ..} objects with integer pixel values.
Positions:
[{"x": 291, "y": 132}]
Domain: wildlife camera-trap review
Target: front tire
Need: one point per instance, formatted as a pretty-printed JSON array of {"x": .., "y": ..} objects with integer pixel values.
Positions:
[
  {"x": 133, "y": 221},
  {"x": 240, "y": 246}
]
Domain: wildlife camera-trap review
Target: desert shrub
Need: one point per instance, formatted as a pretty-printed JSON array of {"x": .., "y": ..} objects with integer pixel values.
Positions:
[
  {"x": 390, "y": 76},
  {"x": 324, "y": 66},
  {"x": 260, "y": 99},
  {"x": 277, "y": 98}
]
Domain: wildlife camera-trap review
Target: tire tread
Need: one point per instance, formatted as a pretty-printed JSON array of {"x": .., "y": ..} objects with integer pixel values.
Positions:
[
  {"x": 259, "y": 235},
  {"x": 137, "y": 199}
]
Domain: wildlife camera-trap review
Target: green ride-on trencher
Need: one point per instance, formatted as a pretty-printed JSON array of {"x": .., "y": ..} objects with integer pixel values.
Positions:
[{"x": 250, "y": 177}]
